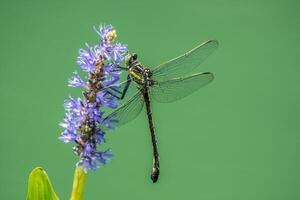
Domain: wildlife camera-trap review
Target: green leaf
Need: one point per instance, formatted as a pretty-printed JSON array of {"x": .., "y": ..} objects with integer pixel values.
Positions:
[{"x": 39, "y": 186}]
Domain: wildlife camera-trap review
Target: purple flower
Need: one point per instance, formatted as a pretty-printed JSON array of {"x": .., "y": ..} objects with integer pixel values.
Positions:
[
  {"x": 103, "y": 49},
  {"x": 76, "y": 81},
  {"x": 99, "y": 136},
  {"x": 95, "y": 160},
  {"x": 72, "y": 104},
  {"x": 84, "y": 119},
  {"x": 104, "y": 30},
  {"x": 87, "y": 59},
  {"x": 69, "y": 122},
  {"x": 93, "y": 112},
  {"x": 68, "y": 136},
  {"x": 118, "y": 51},
  {"x": 88, "y": 149},
  {"x": 103, "y": 157}
]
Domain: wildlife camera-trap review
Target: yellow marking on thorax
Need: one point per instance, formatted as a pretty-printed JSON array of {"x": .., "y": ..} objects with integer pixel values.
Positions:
[{"x": 135, "y": 75}]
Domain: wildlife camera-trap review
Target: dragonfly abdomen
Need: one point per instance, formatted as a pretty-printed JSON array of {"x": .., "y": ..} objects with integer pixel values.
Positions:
[{"x": 155, "y": 166}]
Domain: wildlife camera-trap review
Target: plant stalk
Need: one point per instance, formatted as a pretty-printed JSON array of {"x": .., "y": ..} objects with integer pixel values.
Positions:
[{"x": 78, "y": 184}]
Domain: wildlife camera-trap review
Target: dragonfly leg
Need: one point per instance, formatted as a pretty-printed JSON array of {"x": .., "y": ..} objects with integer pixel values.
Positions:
[
  {"x": 119, "y": 68},
  {"x": 121, "y": 93},
  {"x": 126, "y": 86}
]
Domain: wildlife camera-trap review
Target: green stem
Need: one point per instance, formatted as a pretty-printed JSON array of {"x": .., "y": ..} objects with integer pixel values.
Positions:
[{"x": 78, "y": 184}]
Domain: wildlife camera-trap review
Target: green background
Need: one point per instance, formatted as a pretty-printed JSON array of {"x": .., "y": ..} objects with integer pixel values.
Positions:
[{"x": 236, "y": 139}]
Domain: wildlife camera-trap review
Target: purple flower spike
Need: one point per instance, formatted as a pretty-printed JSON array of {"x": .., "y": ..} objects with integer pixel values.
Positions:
[{"x": 84, "y": 117}]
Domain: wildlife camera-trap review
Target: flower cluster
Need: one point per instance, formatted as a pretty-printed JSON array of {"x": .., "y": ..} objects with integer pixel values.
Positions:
[{"x": 84, "y": 117}]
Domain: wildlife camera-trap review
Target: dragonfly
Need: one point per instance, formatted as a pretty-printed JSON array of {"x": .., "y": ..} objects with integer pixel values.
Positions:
[{"x": 168, "y": 82}]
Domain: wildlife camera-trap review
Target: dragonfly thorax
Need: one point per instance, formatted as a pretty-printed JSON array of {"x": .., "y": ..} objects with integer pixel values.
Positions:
[{"x": 138, "y": 72}]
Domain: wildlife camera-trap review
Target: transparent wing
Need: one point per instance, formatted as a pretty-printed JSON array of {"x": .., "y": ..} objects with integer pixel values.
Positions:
[
  {"x": 184, "y": 64},
  {"x": 178, "y": 88},
  {"x": 127, "y": 111}
]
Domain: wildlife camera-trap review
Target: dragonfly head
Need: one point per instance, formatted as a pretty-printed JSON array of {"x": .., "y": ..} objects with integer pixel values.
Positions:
[{"x": 131, "y": 59}]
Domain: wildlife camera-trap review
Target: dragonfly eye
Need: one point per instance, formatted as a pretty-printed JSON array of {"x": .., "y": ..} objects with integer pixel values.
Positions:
[
  {"x": 134, "y": 56},
  {"x": 130, "y": 59}
]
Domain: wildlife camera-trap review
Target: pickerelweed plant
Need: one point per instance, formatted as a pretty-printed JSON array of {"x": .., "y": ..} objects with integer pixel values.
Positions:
[{"x": 84, "y": 116}]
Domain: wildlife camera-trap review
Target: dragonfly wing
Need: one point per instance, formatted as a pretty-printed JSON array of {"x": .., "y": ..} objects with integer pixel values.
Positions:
[
  {"x": 184, "y": 64},
  {"x": 126, "y": 112},
  {"x": 178, "y": 88}
]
